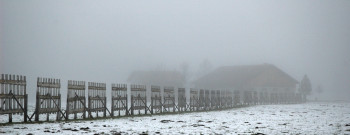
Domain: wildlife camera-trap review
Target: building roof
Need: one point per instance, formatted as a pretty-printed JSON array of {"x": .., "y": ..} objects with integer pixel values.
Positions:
[
  {"x": 157, "y": 77},
  {"x": 246, "y": 76}
]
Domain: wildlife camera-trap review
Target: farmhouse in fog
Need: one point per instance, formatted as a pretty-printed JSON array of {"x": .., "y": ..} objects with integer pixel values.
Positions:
[
  {"x": 255, "y": 83},
  {"x": 157, "y": 77}
]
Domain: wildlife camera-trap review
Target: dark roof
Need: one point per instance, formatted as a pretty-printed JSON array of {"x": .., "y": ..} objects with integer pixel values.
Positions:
[
  {"x": 246, "y": 76},
  {"x": 157, "y": 77}
]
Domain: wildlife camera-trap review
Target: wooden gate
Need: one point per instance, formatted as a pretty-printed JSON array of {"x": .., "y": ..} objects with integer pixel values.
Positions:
[
  {"x": 207, "y": 100},
  {"x": 213, "y": 99},
  {"x": 273, "y": 97},
  {"x": 97, "y": 98},
  {"x": 261, "y": 97},
  {"x": 229, "y": 98},
  {"x": 138, "y": 99},
  {"x": 236, "y": 97},
  {"x": 169, "y": 99},
  {"x": 266, "y": 97},
  {"x": 222, "y": 99},
  {"x": 194, "y": 100},
  {"x": 13, "y": 96},
  {"x": 280, "y": 97},
  {"x": 182, "y": 104},
  {"x": 48, "y": 98},
  {"x": 255, "y": 97},
  {"x": 218, "y": 101},
  {"x": 76, "y": 102},
  {"x": 201, "y": 100},
  {"x": 248, "y": 97},
  {"x": 119, "y": 99},
  {"x": 156, "y": 100}
]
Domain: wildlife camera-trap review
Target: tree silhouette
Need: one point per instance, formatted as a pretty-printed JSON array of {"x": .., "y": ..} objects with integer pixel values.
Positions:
[{"x": 305, "y": 87}]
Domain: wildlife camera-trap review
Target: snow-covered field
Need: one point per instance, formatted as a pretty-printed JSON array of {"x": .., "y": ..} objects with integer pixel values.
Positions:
[{"x": 308, "y": 118}]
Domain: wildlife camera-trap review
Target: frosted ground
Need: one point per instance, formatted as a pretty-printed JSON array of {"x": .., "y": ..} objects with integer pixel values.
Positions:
[{"x": 308, "y": 118}]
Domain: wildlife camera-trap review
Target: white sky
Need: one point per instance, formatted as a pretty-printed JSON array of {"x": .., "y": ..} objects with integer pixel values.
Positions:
[{"x": 106, "y": 40}]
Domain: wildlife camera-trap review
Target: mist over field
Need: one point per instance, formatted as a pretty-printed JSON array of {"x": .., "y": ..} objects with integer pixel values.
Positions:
[{"x": 105, "y": 41}]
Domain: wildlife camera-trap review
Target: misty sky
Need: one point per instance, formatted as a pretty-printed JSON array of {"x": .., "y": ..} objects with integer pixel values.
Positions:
[{"x": 105, "y": 41}]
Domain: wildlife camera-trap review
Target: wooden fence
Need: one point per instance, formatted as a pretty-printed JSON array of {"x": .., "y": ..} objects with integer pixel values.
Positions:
[
  {"x": 169, "y": 99},
  {"x": 139, "y": 99},
  {"x": 236, "y": 97},
  {"x": 201, "y": 101},
  {"x": 194, "y": 100},
  {"x": 156, "y": 100},
  {"x": 48, "y": 98},
  {"x": 13, "y": 98},
  {"x": 97, "y": 98},
  {"x": 214, "y": 98},
  {"x": 182, "y": 103},
  {"x": 76, "y": 101},
  {"x": 229, "y": 100},
  {"x": 119, "y": 99},
  {"x": 207, "y": 100}
]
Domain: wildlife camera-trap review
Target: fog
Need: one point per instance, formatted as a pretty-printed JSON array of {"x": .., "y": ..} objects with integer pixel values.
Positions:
[{"x": 105, "y": 41}]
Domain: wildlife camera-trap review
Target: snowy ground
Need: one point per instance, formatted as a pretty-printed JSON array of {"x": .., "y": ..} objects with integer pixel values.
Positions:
[{"x": 309, "y": 118}]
